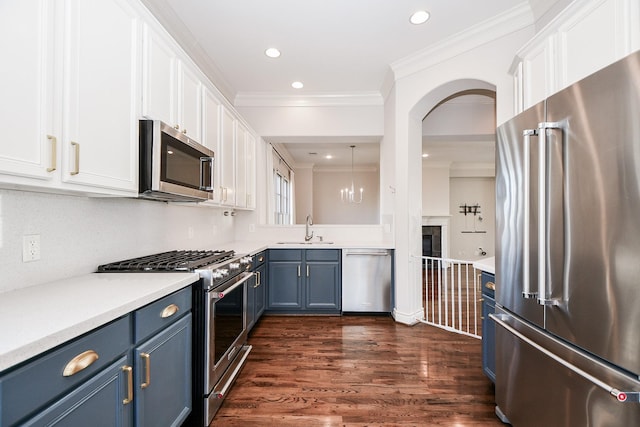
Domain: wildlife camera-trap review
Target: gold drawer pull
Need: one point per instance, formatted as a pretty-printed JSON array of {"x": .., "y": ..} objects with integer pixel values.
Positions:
[
  {"x": 169, "y": 311},
  {"x": 129, "y": 371},
  {"x": 80, "y": 362},
  {"x": 147, "y": 368},
  {"x": 490, "y": 285}
]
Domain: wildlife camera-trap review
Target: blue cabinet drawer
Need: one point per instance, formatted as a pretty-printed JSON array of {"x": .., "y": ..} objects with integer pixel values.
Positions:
[
  {"x": 488, "y": 284},
  {"x": 322, "y": 255},
  {"x": 259, "y": 259},
  {"x": 28, "y": 388},
  {"x": 160, "y": 314},
  {"x": 285, "y": 255}
]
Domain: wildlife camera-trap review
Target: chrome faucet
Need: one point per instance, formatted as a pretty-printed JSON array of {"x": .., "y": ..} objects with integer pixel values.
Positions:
[{"x": 309, "y": 223}]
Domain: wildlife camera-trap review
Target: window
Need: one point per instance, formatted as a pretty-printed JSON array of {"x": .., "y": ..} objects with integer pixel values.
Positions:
[{"x": 282, "y": 191}]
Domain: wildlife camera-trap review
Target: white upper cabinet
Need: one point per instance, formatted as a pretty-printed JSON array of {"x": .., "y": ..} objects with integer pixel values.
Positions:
[
  {"x": 586, "y": 36},
  {"x": 211, "y": 137},
  {"x": 172, "y": 86},
  {"x": 251, "y": 166},
  {"x": 226, "y": 165},
  {"x": 26, "y": 78},
  {"x": 100, "y": 101},
  {"x": 190, "y": 102},
  {"x": 241, "y": 167},
  {"x": 159, "y": 80},
  {"x": 245, "y": 165},
  {"x": 70, "y": 124}
]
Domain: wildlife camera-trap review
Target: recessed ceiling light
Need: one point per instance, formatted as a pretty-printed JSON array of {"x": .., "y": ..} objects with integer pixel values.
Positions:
[
  {"x": 328, "y": 156},
  {"x": 425, "y": 155},
  {"x": 297, "y": 85},
  {"x": 419, "y": 17},
  {"x": 272, "y": 52}
]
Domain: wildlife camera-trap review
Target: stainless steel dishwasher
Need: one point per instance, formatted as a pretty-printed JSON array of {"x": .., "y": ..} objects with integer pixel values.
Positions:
[{"x": 366, "y": 280}]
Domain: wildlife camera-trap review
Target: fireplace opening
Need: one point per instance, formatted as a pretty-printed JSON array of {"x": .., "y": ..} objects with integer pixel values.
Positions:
[{"x": 432, "y": 240}]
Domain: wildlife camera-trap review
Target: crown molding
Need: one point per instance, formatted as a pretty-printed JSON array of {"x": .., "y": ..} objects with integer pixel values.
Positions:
[
  {"x": 267, "y": 99},
  {"x": 510, "y": 21}
]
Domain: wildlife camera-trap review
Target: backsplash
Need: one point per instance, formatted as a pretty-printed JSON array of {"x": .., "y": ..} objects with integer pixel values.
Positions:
[{"x": 79, "y": 233}]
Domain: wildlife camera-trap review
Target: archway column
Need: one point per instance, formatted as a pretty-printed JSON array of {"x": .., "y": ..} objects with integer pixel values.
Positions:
[{"x": 409, "y": 100}]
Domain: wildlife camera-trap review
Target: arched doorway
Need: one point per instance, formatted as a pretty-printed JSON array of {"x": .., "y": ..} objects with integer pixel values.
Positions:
[{"x": 403, "y": 141}]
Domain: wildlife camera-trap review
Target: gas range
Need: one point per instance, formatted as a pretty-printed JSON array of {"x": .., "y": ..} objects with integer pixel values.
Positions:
[
  {"x": 213, "y": 266},
  {"x": 219, "y": 318}
]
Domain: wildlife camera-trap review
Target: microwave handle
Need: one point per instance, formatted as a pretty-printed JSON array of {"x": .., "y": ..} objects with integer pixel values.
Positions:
[{"x": 209, "y": 185}]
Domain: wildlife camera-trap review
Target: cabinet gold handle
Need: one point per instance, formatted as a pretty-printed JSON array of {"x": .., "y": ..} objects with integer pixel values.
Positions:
[
  {"x": 147, "y": 369},
  {"x": 76, "y": 165},
  {"x": 257, "y": 279},
  {"x": 129, "y": 371},
  {"x": 480, "y": 299},
  {"x": 260, "y": 258},
  {"x": 176, "y": 127},
  {"x": 80, "y": 362},
  {"x": 490, "y": 285},
  {"x": 184, "y": 131},
  {"x": 169, "y": 311},
  {"x": 54, "y": 153}
]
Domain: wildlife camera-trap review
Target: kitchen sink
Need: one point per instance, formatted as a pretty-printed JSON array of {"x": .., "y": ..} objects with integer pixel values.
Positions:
[{"x": 304, "y": 243}]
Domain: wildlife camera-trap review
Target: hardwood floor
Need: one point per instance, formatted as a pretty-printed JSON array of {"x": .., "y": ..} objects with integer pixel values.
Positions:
[{"x": 358, "y": 371}]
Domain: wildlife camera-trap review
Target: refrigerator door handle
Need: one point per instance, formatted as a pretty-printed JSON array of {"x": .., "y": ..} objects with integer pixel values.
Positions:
[
  {"x": 543, "y": 191},
  {"x": 621, "y": 396},
  {"x": 526, "y": 284}
]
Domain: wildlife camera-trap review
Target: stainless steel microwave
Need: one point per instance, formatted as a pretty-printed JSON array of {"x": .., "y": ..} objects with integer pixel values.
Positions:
[{"x": 173, "y": 167}]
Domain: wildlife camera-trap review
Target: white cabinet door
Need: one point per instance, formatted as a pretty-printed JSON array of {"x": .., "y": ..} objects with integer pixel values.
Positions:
[
  {"x": 241, "y": 166},
  {"x": 226, "y": 156},
  {"x": 211, "y": 137},
  {"x": 26, "y": 76},
  {"x": 100, "y": 103},
  {"x": 159, "y": 77},
  {"x": 251, "y": 170},
  {"x": 190, "y": 102}
]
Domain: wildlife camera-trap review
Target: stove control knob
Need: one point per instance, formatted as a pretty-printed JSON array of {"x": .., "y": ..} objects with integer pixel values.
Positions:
[
  {"x": 246, "y": 260},
  {"x": 217, "y": 275},
  {"x": 223, "y": 271},
  {"x": 234, "y": 265}
]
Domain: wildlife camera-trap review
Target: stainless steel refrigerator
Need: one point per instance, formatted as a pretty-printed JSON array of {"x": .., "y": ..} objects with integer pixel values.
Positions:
[{"x": 568, "y": 256}]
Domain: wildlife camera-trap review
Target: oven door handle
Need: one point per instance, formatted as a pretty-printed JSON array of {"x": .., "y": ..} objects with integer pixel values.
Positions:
[{"x": 218, "y": 295}]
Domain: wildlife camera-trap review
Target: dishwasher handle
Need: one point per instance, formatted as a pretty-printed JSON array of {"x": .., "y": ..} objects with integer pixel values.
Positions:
[{"x": 368, "y": 253}]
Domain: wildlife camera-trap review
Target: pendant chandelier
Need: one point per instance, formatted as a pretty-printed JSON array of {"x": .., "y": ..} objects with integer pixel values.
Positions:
[{"x": 348, "y": 195}]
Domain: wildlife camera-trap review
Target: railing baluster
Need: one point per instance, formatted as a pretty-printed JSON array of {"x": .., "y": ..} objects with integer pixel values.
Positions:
[{"x": 443, "y": 279}]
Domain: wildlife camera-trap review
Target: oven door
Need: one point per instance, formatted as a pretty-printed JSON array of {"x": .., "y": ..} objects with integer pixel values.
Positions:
[{"x": 225, "y": 326}]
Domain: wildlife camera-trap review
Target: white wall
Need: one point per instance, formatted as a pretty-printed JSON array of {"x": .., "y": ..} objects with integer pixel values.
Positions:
[
  {"x": 310, "y": 120},
  {"x": 470, "y": 232},
  {"x": 435, "y": 189},
  {"x": 484, "y": 67},
  {"x": 78, "y": 233},
  {"x": 304, "y": 191},
  {"x": 328, "y": 207}
]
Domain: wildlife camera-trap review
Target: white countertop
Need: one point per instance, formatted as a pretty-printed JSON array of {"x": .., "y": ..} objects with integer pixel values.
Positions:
[
  {"x": 242, "y": 247},
  {"x": 38, "y": 318},
  {"x": 486, "y": 264}
]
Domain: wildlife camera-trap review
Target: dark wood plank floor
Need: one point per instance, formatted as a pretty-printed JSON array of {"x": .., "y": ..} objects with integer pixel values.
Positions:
[{"x": 358, "y": 371}]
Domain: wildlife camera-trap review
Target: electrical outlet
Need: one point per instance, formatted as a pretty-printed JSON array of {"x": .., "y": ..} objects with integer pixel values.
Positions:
[{"x": 30, "y": 248}]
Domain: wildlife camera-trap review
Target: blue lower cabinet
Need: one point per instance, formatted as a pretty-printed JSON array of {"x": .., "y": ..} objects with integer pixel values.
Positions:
[
  {"x": 163, "y": 376},
  {"x": 107, "y": 377},
  {"x": 103, "y": 401},
  {"x": 304, "y": 281}
]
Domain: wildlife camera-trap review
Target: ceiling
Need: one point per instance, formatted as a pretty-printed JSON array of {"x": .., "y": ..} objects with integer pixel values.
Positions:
[{"x": 335, "y": 47}]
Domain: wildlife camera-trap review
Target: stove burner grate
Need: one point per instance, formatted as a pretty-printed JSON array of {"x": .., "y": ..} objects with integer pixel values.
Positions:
[{"x": 169, "y": 261}]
